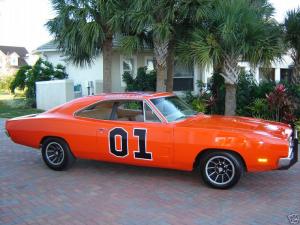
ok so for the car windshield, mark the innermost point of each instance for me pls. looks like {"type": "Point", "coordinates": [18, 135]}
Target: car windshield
{"type": "Point", "coordinates": [173, 108]}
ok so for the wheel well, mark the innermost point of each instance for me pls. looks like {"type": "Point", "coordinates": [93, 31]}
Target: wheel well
{"type": "Point", "coordinates": [47, 137]}
{"type": "Point", "coordinates": [205, 151]}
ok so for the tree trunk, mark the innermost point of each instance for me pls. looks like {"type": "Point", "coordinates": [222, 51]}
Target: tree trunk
{"type": "Point", "coordinates": [230, 99]}
{"type": "Point", "coordinates": [160, 78]}
{"type": "Point", "coordinates": [296, 73]}
{"type": "Point", "coordinates": [107, 63]}
{"type": "Point", "coordinates": [170, 68]}
{"type": "Point", "coordinates": [161, 54]}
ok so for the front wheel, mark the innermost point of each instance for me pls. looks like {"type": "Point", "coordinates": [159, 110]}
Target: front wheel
{"type": "Point", "coordinates": [221, 170]}
{"type": "Point", "coordinates": [56, 154]}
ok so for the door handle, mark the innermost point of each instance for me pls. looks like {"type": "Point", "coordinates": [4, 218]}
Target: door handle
{"type": "Point", "coordinates": [102, 130]}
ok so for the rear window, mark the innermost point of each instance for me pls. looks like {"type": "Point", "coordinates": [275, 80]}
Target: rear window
{"type": "Point", "coordinates": [100, 111]}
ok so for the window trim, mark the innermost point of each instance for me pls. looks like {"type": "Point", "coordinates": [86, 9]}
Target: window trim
{"type": "Point", "coordinates": [122, 57]}
{"type": "Point", "coordinates": [146, 62]}
{"type": "Point", "coordinates": [95, 103]}
{"type": "Point", "coordinates": [146, 103]}
{"type": "Point", "coordinates": [75, 114]}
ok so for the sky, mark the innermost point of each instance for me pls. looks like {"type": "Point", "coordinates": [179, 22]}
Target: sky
{"type": "Point", "coordinates": [22, 21]}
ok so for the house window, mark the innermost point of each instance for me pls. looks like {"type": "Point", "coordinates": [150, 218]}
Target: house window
{"type": "Point", "coordinates": [128, 65]}
{"type": "Point", "coordinates": [266, 74]}
{"type": "Point", "coordinates": [149, 63]}
{"type": "Point", "coordinates": [13, 61]}
{"type": "Point", "coordinates": [183, 77]}
{"type": "Point", "coordinates": [286, 75]}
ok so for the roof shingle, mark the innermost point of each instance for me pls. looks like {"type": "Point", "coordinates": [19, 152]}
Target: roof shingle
{"type": "Point", "coordinates": [21, 51]}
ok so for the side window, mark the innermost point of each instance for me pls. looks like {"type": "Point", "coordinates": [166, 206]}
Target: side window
{"type": "Point", "coordinates": [150, 116]}
{"type": "Point", "coordinates": [101, 111]}
{"type": "Point", "coordinates": [129, 111]}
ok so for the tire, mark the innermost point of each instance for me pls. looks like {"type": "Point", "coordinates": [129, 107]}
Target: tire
{"type": "Point", "coordinates": [221, 170]}
{"type": "Point", "coordinates": [57, 154]}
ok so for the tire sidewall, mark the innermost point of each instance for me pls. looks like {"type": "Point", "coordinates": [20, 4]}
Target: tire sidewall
{"type": "Point", "coordinates": [67, 154]}
{"type": "Point", "coordinates": [238, 166]}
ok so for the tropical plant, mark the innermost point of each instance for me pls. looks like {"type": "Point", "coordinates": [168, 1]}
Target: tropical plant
{"type": "Point", "coordinates": [259, 108]}
{"type": "Point", "coordinates": [26, 76]}
{"type": "Point", "coordinates": [292, 39]}
{"type": "Point", "coordinates": [160, 24]}
{"type": "Point", "coordinates": [245, 93]}
{"type": "Point", "coordinates": [281, 105]}
{"type": "Point", "coordinates": [83, 28]}
{"type": "Point", "coordinates": [142, 82]}
{"type": "Point", "coordinates": [234, 30]}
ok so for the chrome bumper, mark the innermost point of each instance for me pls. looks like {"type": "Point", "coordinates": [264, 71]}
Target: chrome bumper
{"type": "Point", "coordinates": [286, 163]}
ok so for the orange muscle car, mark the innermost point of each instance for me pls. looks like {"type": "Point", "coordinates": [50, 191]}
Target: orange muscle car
{"type": "Point", "coordinates": [156, 130]}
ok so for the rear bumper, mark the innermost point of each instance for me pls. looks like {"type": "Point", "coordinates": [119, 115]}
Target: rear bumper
{"type": "Point", "coordinates": [286, 163]}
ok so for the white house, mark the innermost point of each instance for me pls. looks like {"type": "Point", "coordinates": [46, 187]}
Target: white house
{"type": "Point", "coordinates": [89, 79]}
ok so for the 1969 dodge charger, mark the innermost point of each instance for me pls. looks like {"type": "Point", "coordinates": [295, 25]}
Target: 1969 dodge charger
{"type": "Point", "coordinates": [156, 130]}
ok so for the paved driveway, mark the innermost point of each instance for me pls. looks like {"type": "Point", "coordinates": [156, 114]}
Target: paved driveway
{"type": "Point", "coordinates": [103, 193]}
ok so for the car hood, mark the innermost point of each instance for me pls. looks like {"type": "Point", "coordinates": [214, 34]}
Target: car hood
{"type": "Point", "coordinates": [242, 124]}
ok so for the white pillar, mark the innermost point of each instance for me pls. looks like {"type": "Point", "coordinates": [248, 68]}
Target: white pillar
{"type": "Point", "coordinates": [197, 77]}
{"type": "Point", "coordinates": [277, 74]}
{"type": "Point", "coordinates": [256, 74]}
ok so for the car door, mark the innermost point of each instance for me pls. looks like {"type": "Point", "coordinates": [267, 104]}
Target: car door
{"type": "Point", "coordinates": [135, 135]}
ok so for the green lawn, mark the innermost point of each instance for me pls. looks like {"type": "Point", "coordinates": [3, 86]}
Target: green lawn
{"type": "Point", "coordinates": [12, 107]}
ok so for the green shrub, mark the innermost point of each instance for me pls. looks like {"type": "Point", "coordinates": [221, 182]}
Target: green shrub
{"type": "Point", "coordinates": [245, 93]}
{"type": "Point", "coordinates": [142, 82]}
{"type": "Point", "coordinates": [5, 83]}
{"type": "Point", "coordinates": [259, 108]}
{"type": "Point", "coordinates": [261, 100]}
{"type": "Point", "coordinates": [26, 77]}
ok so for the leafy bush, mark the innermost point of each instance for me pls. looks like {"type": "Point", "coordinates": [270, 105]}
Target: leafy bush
{"type": "Point", "coordinates": [5, 83]}
{"type": "Point", "coordinates": [245, 93]}
{"type": "Point", "coordinates": [281, 105]}
{"type": "Point", "coordinates": [264, 100]}
{"type": "Point", "coordinates": [259, 108]}
{"type": "Point", "coordinates": [26, 77]}
{"type": "Point", "coordinates": [142, 82]}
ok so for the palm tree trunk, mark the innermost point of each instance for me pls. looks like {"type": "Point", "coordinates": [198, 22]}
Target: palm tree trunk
{"type": "Point", "coordinates": [230, 99]}
{"type": "Point", "coordinates": [296, 73]}
{"type": "Point", "coordinates": [107, 64]}
{"type": "Point", "coordinates": [170, 69]}
{"type": "Point", "coordinates": [160, 54]}
{"type": "Point", "coordinates": [160, 78]}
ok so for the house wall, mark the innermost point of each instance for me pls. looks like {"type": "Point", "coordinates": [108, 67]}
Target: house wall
{"type": "Point", "coordinates": [94, 73]}
{"type": "Point", "coordinates": [140, 60]}
{"type": "Point", "coordinates": [80, 74]}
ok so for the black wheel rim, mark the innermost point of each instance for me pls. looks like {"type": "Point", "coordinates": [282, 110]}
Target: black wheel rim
{"type": "Point", "coordinates": [55, 153]}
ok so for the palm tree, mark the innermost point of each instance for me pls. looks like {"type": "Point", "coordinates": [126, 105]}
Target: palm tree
{"type": "Point", "coordinates": [292, 39]}
{"type": "Point", "coordinates": [160, 24]}
{"type": "Point", "coordinates": [234, 30]}
{"type": "Point", "coordinates": [83, 28]}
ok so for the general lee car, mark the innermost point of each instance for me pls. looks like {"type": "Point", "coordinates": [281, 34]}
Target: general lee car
{"type": "Point", "coordinates": [156, 130]}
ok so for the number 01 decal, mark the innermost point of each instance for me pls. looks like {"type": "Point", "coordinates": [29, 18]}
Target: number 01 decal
{"type": "Point", "coordinates": [140, 133]}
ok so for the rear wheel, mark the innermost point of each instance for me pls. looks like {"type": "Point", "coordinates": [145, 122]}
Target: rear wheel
{"type": "Point", "coordinates": [56, 154]}
{"type": "Point", "coordinates": [221, 170]}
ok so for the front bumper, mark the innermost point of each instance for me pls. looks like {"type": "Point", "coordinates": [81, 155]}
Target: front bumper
{"type": "Point", "coordinates": [286, 163]}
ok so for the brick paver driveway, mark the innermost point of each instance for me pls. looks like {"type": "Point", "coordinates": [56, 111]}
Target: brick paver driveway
{"type": "Point", "coordinates": [102, 193]}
